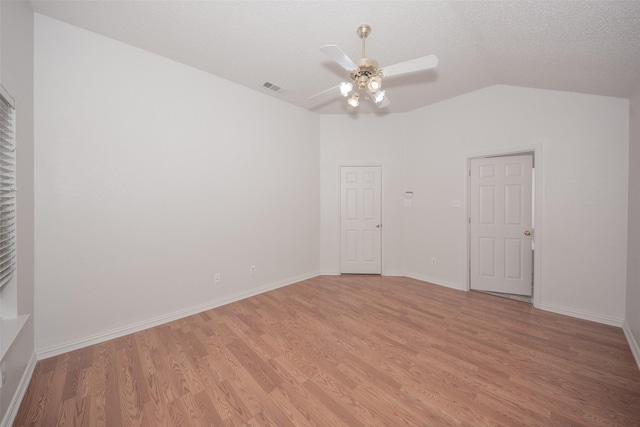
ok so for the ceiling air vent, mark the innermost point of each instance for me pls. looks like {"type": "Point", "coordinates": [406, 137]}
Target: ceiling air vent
{"type": "Point", "coordinates": [271, 86]}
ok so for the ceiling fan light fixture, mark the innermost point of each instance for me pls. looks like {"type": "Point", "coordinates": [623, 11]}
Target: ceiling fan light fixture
{"type": "Point", "coordinates": [374, 84]}
{"type": "Point", "coordinates": [345, 88]}
{"type": "Point", "coordinates": [366, 76]}
{"type": "Point", "coordinates": [354, 101]}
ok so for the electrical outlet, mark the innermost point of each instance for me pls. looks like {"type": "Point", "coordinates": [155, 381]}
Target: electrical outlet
{"type": "Point", "coordinates": [434, 261]}
{"type": "Point", "coordinates": [216, 278]}
{"type": "Point", "coordinates": [252, 270]}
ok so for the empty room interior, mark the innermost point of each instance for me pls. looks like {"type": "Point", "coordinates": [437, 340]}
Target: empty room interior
{"type": "Point", "coordinates": [319, 213]}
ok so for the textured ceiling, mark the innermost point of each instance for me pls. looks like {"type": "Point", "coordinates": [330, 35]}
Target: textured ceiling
{"type": "Point", "coordinates": [589, 47]}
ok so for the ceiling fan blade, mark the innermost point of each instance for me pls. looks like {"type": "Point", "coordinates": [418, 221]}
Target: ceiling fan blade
{"type": "Point", "coordinates": [418, 64]}
{"type": "Point", "coordinates": [384, 102]}
{"type": "Point", "coordinates": [341, 58]}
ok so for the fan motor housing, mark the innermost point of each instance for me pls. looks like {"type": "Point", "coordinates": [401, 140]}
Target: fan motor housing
{"type": "Point", "coordinates": [367, 68]}
{"type": "Point", "coordinates": [367, 65]}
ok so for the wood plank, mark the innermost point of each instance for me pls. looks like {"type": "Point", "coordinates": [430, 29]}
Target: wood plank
{"type": "Point", "coordinates": [348, 350]}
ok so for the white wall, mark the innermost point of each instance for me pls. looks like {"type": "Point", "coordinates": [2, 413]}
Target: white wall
{"type": "Point", "coordinates": [583, 166]}
{"type": "Point", "coordinates": [360, 140]}
{"type": "Point", "coordinates": [16, 75]}
{"type": "Point", "coordinates": [632, 313]}
{"type": "Point", "coordinates": [153, 176]}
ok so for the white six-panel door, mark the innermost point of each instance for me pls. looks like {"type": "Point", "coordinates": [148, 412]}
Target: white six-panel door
{"type": "Point", "coordinates": [500, 209]}
{"type": "Point", "coordinates": [360, 219]}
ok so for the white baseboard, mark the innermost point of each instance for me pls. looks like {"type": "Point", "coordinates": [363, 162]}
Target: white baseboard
{"type": "Point", "coordinates": [330, 273]}
{"type": "Point", "coordinates": [337, 273]}
{"type": "Point", "coordinates": [633, 344]}
{"type": "Point", "coordinates": [136, 327]}
{"type": "Point", "coordinates": [393, 273]}
{"type": "Point", "coordinates": [612, 321]}
{"type": "Point", "coordinates": [12, 410]}
{"type": "Point", "coordinates": [436, 281]}
{"type": "Point", "coordinates": [156, 321]}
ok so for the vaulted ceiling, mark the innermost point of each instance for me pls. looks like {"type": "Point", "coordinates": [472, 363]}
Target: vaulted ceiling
{"type": "Point", "coordinates": [589, 47]}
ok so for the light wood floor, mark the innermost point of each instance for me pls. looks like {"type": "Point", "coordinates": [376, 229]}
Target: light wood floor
{"type": "Point", "coordinates": [348, 351]}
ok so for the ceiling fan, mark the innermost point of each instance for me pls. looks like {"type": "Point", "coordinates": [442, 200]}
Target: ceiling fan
{"type": "Point", "coordinates": [366, 76]}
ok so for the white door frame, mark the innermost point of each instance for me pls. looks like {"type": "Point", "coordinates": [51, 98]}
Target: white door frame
{"type": "Point", "coordinates": [340, 165]}
{"type": "Point", "coordinates": [536, 149]}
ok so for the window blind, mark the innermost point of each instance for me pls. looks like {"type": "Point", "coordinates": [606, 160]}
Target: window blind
{"type": "Point", "coordinates": [7, 188]}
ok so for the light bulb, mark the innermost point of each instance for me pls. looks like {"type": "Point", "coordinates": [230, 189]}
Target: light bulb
{"type": "Point", "coordinates": [378, 96]}
{"type": "Point", "coordinates": [354, 101]}
{"type": "Point", "coordinates": [345, 88]}
{"type": "Point", "coordinates": [374, 84]}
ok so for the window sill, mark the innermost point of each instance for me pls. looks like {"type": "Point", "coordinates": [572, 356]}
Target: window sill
{"type": "Point", "coordinates": [9, 331]}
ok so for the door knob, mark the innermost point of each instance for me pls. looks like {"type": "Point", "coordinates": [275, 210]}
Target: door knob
{"type": "Point", "coordinates": [527, 233]}
{"type": "Point", "coordinates": [378, 225]}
